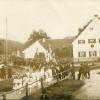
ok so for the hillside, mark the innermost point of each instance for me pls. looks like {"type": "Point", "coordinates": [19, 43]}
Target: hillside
{"type": "Point", "coordinates": [12, 46]}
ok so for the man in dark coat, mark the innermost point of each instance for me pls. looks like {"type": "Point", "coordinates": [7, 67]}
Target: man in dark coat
{"type": "Point", "coordinates": [9, 72]}
{"type": "Point", "coordinates": [3, 73]}
{"type": "Point", "coordinates": [73, 70]}
{"type": "Point", "coordinates": [87, 70]}
{"type": "Point", "coordinates": [81, 70]}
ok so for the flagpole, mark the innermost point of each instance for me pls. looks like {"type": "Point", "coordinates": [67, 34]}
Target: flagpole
{"type": "Point", "coordinates": [6, 53]}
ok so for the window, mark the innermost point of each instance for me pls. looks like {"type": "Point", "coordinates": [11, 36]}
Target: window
{"type": "Point", "coordinates": [92, 53]}
{"type": "Point", "coordinates": [40, 55]}
{"type": "Point", "coordinates": [82, 54]}
{"type": "Point", "coordinates": [81, 41]}
{"type": "Point", "coordinates": [99, 53]}
{"type": "Point", "coordinates": [92, 45]}
{"type": "Point", "coordinates": [91, 28]}
{"type": "Point", "coordinates": [91, 40]}
{"type": "Point", "coordinates": [99, 40]}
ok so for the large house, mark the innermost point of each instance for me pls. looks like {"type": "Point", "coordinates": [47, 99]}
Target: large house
{"type": "Point", "coordinates": [86, 47]}
{"type": "Point", "coordinates": [47, 47]}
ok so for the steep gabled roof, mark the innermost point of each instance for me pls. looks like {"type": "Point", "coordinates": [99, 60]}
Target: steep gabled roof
{"type": "Point", "coordinates": [87, 25]}
{"type": "Point", "coordinates": [27, 44]}
{"type": "Point", "coordinates": [84, 28]}
{"type": "Point", "coordinates": [52, 43]}
{"type": "Point", "coordinates": [56, 43]}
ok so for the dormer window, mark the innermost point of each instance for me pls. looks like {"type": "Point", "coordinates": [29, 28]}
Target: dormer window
{"type": "Point", "coordinates": [91, 28]}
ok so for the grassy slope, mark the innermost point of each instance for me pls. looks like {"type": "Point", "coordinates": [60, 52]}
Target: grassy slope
{"type": "Point", "coordinates": [6, 85]}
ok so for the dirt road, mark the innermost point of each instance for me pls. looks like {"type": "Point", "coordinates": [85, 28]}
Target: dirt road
{"type": "Point", "coordinates": [91, 89]}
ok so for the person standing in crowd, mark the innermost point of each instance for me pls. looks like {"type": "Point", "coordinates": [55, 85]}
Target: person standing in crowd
{"type": "Point", "coordinates": [87, 70]}
{"type": "Point", "coordinates": [27, 73]}
{"type": "Point", "coordinates": [53, 72]}
{"type": "Point", "coordinates": [31, 64]}
{"type": "Point", "coordinates": [61, 70]}
{"type": "Point", "coordinates": [9, 72]}
{"type": "Point", "coordinates": [81, 70]}
{"type": "Point", "coordinates": [72, 70]}
{"type": "Point", "coordinates": [3, 73]}
{"type": "Point", "coordinates": [44, 95]}
{"type": "Point", "coordinates": [58, 71]}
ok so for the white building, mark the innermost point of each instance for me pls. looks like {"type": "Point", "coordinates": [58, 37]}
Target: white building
{"type": "Point", "coordinates": [34, 49]}
{"type": "Point", "coordinates": [86, 46]}
{"type": "Point", "coordinates": [46, 46]}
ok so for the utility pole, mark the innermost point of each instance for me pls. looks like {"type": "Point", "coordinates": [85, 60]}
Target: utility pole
{"type": "Point", "coordinates": [6, 43]}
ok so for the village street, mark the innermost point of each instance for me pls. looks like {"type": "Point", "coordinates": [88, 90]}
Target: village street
{"type": "Point", "coordinates": [91, 89]}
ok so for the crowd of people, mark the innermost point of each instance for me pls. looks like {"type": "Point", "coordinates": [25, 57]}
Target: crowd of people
{"type": "Point", "coordinates": [5, 72]}
{"type": "Point", "coordinates": [47, 71]}
{"type": "Point", "coordinates": [84, 71]}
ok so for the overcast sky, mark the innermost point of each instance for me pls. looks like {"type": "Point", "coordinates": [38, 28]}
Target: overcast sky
{"type": "Point", "coordinates": [59, 18]}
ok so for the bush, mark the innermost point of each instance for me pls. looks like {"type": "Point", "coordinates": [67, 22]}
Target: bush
{"type": "Point", "coordinates": [6, 85]}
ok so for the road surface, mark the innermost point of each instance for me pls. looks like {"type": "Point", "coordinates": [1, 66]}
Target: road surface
{"type": "Point", "coordinates": [91, 89]}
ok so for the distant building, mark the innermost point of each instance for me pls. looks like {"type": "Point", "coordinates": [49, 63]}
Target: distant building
{"type": "Point", "coordinates": [13, 48]}
{"type": "Point", "coordinates": [86, 47]}
{"type": "Point", "coordinates": [47, 47]}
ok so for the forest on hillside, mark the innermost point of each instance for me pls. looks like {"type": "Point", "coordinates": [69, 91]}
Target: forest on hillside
{"type": "Point", "coordinates": [12, 46]}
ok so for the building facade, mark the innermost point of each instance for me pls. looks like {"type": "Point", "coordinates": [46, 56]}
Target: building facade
{"type": "Point", "coordinates": [86, 47]}
{"type": "Point", "coordinates": [48, 47]}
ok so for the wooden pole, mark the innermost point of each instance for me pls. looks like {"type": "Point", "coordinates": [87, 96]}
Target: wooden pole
{"type": "Point", "coordinates": [6, 44]}
{"type": "Point", "coordinates": [4, 96]}
{"type": "Point", "coordinates": [42, 86]}
{"type": "Point", "coordinates": [26, 89]}
{"type": "Point", "coordinates": [57, 78]}
{"type": "Point", "coordinates": [6, 47]}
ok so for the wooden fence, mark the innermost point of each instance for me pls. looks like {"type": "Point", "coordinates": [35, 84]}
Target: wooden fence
{"type": "Point", "coordinates": [3, 96]}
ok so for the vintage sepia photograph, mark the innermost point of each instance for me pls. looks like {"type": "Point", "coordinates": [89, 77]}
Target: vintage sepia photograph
{"type": "Point", "coordinates": [49, 49]}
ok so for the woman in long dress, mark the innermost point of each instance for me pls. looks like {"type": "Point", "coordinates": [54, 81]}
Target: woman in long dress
{"type": "Point", "coordinates": [17, 84]}
{"type": "Point", "coordinates": [48, 74]}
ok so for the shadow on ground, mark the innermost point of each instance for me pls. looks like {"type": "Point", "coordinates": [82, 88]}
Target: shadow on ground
{"type": "Point", "coordinates": [61, 91]}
